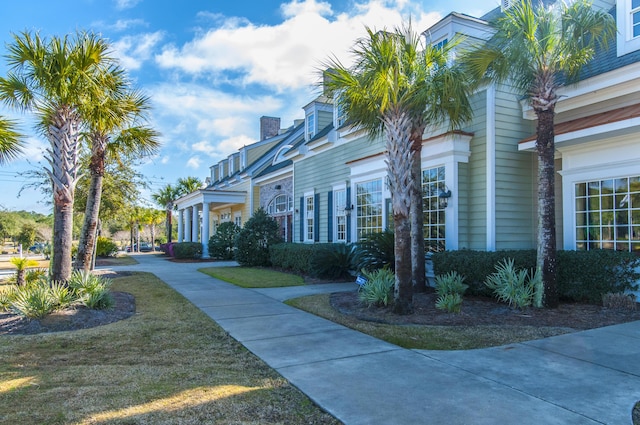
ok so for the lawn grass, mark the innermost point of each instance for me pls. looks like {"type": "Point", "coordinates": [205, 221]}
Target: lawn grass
{"type": "Point", "coordinates": [168, 364]}
{"type": "Point", "coordinates": [424, 337]}
{"type": "Point", "coordinates": [252, 277]}
{"type": "Point", "coordinates": [119, 260]}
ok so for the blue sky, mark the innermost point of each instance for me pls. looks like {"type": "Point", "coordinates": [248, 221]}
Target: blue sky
{"type": "Point", "coordinates": [210, 67]}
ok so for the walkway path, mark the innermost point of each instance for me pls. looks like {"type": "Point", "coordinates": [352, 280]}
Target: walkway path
{"type": "Point", "coordinates": [590, 377]}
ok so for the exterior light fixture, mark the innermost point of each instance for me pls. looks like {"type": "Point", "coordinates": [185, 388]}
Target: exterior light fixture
{"type": "Point", "coordinates": [348, 209]}
{"type": "Point", "coordinates": [443, 197]}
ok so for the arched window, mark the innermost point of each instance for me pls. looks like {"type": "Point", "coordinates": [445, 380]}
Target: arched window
{"type": "Point", "coordinates": [280, 204]}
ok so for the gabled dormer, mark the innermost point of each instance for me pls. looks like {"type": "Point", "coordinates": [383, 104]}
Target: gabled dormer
{"type": "Point", "coordinates": [456, 24]}
{"type": "Point", "coordinates": [317, 115]}
{"type": "Point", "coordinates": [628, 22]}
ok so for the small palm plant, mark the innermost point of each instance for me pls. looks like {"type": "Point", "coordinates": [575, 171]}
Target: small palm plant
{"type": "Point", "coordinates": [21, 267]}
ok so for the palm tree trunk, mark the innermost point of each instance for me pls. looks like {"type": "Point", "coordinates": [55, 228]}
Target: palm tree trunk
{"type": "Point", "coordinates": [546, 255]}
{"type": "Point", "coordinates": [418, 272]}
{"type": "Point", "coordinates": [87, 243]}
{"type": "Point", "coordinates": [169, 225]}
{"type": "Point", "coordinates": [399, 165]}
{"type": "Point", "coordinates": [63, 160]}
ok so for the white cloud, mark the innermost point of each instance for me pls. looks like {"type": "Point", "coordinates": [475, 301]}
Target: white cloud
{"type": "Point", "coordinates": [287, 55]}
{"type": "Point", "coordinates": [134, 50]}
{"type": "Point", "coordinates": [34, 149]}
{"type": "Point", "coordinates": [126, 4]}
{"type": "Point", "coordinates": [194, 162]}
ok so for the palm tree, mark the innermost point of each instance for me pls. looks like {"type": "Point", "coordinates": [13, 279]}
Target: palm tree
{"type": "Point", "coordinates": [165, 197]}
{"type": "Point", "coordinates": [112, 131]}
{"type": "Point", "coordinates": [57, 78]}
{"type": "Point", "coordinates": [398, 87]}
{"type": "Point", "coordinates": [152, 218]}
{"type": "Point", "coordinates": [10, 140]}
{"type": "Point", "coordinates": [187, 185]}
{"type": "Point", "coordinates": [22, 263]}
{"type": "Point", "coordinates": [536, 49]}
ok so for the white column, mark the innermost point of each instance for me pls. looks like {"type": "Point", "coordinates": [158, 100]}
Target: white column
{"type": "Point", "coordinates": [180, 225]}
{"type": "Point", "coordinates": [187, 226]}
{"type": "Point", "coordinates": [194, 224]}
{"type": "Point", "coordinates": [205, 230]}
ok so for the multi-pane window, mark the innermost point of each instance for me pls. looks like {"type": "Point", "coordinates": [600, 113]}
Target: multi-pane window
{"type": "Point", "coordinates": [309, 217]}
{"type": "Point", "coordinates": [339, 203]}
{"type": "Point", "coordinates": [441, 44]}
{"type": "Point", "coordinates": [238, 219]}
{"type": "Point", "coordinates": [635, 18]}
{"type": "Point", "coordinates": [311, 125]}
{"type": "Point", "coordinates": [280, 204]}
{"type": "Point", "coordinates": [608, 214]}
{"type": "Point", "coordinates": [369, 207]}
{"type": "Point", "coordinates": [434, 214]}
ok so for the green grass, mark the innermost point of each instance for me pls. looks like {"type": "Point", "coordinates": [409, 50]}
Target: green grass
{"type": "Point", "coordinates": [252, 277]}
{"type": "Point", "coordinates": [426, 337]}
{"type": "Point", "coordinates": [119, 260]}
{"type": "Point", "coordinates": [168, 364]}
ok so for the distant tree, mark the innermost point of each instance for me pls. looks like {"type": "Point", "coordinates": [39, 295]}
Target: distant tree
{"type": "Point", "coordinates": [165, 198]}
{"type": "Point", "coordinates": [27, 235]}
{"type": "Point", "coordinates": [188, 185]}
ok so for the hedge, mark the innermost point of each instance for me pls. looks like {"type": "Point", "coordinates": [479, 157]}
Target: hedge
{"type": "Point", "coordinates": [582, 275]}
{"type": "Point", "coordinates": [187, 250]}
{"type": "Point", "coordinates": [296, 257]}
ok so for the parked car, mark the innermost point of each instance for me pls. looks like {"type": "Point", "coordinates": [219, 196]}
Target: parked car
{"type": "Point", "coordinates": [144, 247]}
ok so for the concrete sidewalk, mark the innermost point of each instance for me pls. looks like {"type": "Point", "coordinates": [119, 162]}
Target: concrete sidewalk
{"type": "Point", "coordinates": [590, 377]}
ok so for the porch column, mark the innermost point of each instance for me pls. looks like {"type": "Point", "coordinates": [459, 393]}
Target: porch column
{"type": "Point", "coordinates": [180, 225]}
{"type": "Point", "coordinates": [194, 224]}
{"type": "Point", "coordinates": [205, 230]}
{"type": "Point", "coordinates": [187, 226]}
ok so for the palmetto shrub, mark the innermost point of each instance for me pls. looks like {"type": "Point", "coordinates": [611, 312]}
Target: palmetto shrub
{"type": "Point", "coordinates": [106, 247]}
{"type": "Point", "coordinates": [450, 288]}
{"type": "Point", "coordinates": [61, 295]}
{"type": "Point", "coordinates": [7, 295]}
{"type": "Point", "coordinates": [376, 251]}
{"type": "Point", "coordinates": [334, 261]}
{"type": "Point", "coordinates": [91, 290]}
{"type": "Point", "coordinates": [516, 287]}
{"type": "Point", "coordinates": [378, 290]}
{"type": "Point", "coordinates": [33, 301]}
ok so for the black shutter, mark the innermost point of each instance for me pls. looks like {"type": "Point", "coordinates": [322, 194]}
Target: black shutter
{"type": "Point", "coordinates": [316, 217]}
{"type": "Point", "coordinates": [353, 212]}
{"type": "Point", "coordinates": [330, 216]}
{"type": "Point", "coordinates": [301, 217]}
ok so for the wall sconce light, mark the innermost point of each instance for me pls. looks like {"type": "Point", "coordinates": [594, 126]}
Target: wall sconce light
{"type": "Point", "coordinates": [443, 197]}
{"type": "Point", "coordinates": [348, 209]}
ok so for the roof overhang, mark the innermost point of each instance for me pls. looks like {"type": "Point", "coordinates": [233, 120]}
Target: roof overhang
{"type": "Point", "coordinates": [618, 122]}
{"type": "Point", "coordinates": [211, 196]}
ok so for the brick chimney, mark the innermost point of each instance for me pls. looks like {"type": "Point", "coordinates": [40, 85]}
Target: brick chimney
{"type": "Point", "coordinates": [269, 127]}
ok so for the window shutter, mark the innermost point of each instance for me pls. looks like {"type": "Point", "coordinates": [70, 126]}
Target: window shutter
{"type": "Point", "coordinates": [316, 217]}
{"type": "Point", "coordinates": [301, 218]}
{"type": "Point", "coordinates": [348, 202]}
{"type": "Point", "coordinates": [330, 216]}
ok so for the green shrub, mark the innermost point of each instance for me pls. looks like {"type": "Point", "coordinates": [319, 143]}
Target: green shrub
{"type": "Point", "coordinates": [475, 266]}
{"type": "Point", "coordinates": [33, 275]}
{"type": "Point", "coordinates": [221, 244]}
{"type": "Point", "coordinates": [376, 251]}
{"type": "Point", "coordinates": [252, 242]}
{"type": "Point", "coordinates": [333, 261]}
{"type": "Point", "coordinates": [105, 247]}
{"type": "Point", "coordinates": [586, 276]}
{"type": "Point", "coordinates": [33, 301]}
{"type": "Point", "coordinates": [451, 302]}
{"type": "Point", "coordinates": [450, 283]}
{"type": "Point", "coordinates": [61, 295]}
{"type": "Point", "coordinates": [619, 301]}
{"type": "Point", "coordinates": [513, 286]}
{"type": "Point", "coordinates": [187, 250]}
{"type": "Point", "coordinates": [7, 295]}
{"type": "Point", "coordinates": [91, 290]}
{"type": "Point", "coordinates": [378, 290]}
{"type": "Point", "coordinates": [295, 257]}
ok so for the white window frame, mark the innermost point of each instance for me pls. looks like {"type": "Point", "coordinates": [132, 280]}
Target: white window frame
{"type": "Point", "coordinates": [339, 215]}
{"type": "Point", "coordinates": [310, 125]}
{"type": "Point", "coordinates": [383, 216]}
{"type": "Point", "coordinates": [626, 42]}
{"type": "Point", "coordinates": [309, 217]}
{"type": "Point", "coordinates": [237, 219]}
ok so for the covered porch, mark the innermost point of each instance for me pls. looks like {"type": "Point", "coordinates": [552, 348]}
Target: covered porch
{"type": "Point", "coordinates": [195, 220]}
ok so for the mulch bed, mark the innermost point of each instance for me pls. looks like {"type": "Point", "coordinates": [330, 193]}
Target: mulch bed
{"type": "Point", "coordinates": [486, 311]}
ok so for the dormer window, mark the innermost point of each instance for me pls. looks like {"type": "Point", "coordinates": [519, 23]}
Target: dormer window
{"type": "Point", "coordinates": [231, 164]}
{"type": "Point", "coordinates": [338, 112]}
{"type": "Point", "coordinates": [310, 125]}
{"type": "Point", "coordinates": [221, 170]}
{"type": "Point", "coordinates": [243, 159]}
{"type": "Point", "coordinates": [441, 44]}
{"type": "Point", "coordinates": [506, 4]}
{"type": "Point", "coordinates": [628, 21]}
